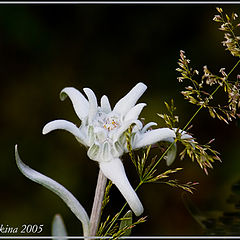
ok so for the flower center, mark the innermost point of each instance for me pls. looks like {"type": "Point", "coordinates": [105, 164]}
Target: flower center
{"type": "Point", "coordinates": [108, 121]}
{"type": "Point", "coordinates": [111, 123]}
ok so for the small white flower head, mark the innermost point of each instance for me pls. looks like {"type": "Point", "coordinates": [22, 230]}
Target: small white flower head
{"type": "Point", "coordinates": [102, 131]}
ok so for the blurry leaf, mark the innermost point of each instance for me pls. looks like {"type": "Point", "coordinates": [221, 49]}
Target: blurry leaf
{"type": "Point", "coordinates": [223, 222]}
{"type": "Point", "coordinates": [236, 188]}
{"type": "Point", "coordinates": [232, 199]}
{"type": "Point", "coordinates": [237, 205]}
{"type": "Point", "coordinates": [126, 221]}
{"type": "Point", "coordinates": [194, 211]}
{"type": "Point", "coordinates": [209, 223]}
{"type": "Point", "coordinates": [58, 227]}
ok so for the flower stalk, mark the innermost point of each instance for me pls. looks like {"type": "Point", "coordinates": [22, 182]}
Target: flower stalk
{"type": "Point", "coordinates": [97, 203]}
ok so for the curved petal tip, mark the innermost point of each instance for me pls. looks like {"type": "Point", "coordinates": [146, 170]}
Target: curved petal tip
{"type": "Point", "coordinates": [79, 102]}
{"type": "Point", "coordinates": [114, 171]}
{"type": "Point", "coordinates": [129, 100]}
{"type": "Point", "coordinates": [56, 188]}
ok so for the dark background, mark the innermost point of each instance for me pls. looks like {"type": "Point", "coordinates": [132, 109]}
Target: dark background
{"type": "Point", "coordinates": [109, 48]}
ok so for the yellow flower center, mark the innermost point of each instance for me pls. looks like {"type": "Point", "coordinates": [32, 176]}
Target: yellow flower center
{"type": "Point", "coordinates": [111, 123]}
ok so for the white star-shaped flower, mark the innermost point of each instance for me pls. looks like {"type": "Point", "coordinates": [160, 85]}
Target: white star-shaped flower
{"type": "Point", "coordinates": [102, 131]}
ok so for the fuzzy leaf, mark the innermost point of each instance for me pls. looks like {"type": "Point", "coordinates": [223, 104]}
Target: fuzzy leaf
{"type": "Point", "coordinates": [58, 227]}
{"type": "Point", "coordinates": [58, 189]}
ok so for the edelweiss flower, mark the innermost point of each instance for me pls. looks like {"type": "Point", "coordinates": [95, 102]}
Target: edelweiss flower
{"type": "Point", "coordinates": [102, 132]}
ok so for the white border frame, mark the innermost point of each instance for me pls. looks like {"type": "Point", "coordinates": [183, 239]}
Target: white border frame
{"type": "Point", "coordinates": [123, 2]}
{"type": "Point", "coordinates": [120, 3]}
{"type": "Point", "coordinates": [133, 237]}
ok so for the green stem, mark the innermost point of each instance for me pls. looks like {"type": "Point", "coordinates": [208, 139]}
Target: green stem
{"type": "Point", "coordinates": [194, 115]}
{"type": "Point", "coordinates": [165, 152]}
{"type": "Point", "coordinates": [109, 228]}
{"type": "Point", "coordinates": [155, 165]}
{"type": "Point", "coordinates": [190, 120]}
{"type": "Point", "coordinates": [210, 96]}
{"type": "Point", "coordinates": [233, 68]}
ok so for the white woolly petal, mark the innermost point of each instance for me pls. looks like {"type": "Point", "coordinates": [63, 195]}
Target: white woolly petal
{"type": "Point", "coordinates": [90, 135]}
{"type": "Point", "coordinates": [105, 105]}
{"type": "Point", "coordinates": [153, 136]}
{"type": "Point", "coordinates": [100, 133]}
{"type": "Point", "coordinates": [106, 152]}
{"type": "Point", "coordinates": [134, 112]}
{"type": "Point", "coordinates": [129, 100]}
{"type": "Point", "coordinates": [80, 103]}
{"type": "Point", "coordinates": [114, 171]}
{"type": "Point", "coordinates": [118, 149]}
{"type": "Point", "coordinates": [58, 227]}
{"type": "Point", "coordinates": [171, 154]}
{"type": "Point", "coordinates": [125, 125]}
{"type": "Point", "coordinates": [65, 125]}
{"type": "Point", "coordinates": [184, 134]}
{"type": "Point", "coordinates": [137, 127]}
{"type": "Point", "coordinates": [92, 103]}
{"type": "Point", "coordinates": [147, 126]}
{"type": "Point", "coordinates": [94, 152]}
{"type": "Point", "coordinates": [58, 189]}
